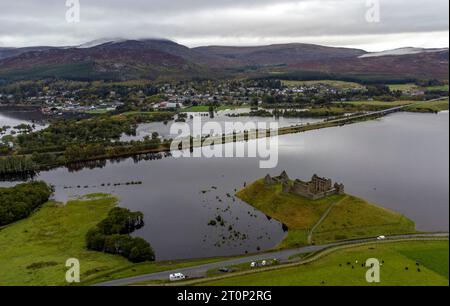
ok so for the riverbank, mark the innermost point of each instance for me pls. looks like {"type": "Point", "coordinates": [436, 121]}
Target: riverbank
{"type": "Point", "coordinates": [35, 249]}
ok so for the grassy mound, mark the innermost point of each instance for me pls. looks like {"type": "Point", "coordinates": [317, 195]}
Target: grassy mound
{"type": "Point", "coordinates": [350, 217]}
{"type": "Point", "coordinates": [354, 217]}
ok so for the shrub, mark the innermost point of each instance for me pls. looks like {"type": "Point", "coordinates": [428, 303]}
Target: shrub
{"type": "Point", "coordinates": [112, 236]}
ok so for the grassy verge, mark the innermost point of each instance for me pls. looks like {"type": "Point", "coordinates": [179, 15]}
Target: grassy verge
{"type": "Point", "coordinates": [239, 268]}
{"type": "Point", "coordinates": [131, 270]}
{"type": "Point", "coordinates": [350, 218]}
{"type": "Point", "coordinates": [409, 263]}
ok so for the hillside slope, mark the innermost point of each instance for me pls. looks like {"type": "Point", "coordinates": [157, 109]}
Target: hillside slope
{"type": "Point", "coordinates": [160, 59]}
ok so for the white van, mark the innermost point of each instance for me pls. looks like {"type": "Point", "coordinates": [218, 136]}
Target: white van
{"type": "Point", "coordinates": [176, 277]}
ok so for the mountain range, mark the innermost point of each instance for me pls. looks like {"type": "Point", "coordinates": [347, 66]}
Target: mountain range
{"type": "Point", "coordinates": [160, 59]}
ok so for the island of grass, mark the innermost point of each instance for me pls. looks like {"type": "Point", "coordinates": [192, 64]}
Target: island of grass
{"type": "Point", "coordinates": [335, 217]}
{"type": "Point", "coordinates": [406, 263]}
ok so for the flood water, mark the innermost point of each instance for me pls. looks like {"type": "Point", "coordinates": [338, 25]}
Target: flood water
{"type": "Point", "coordinates": [14, 118]}
{"type": "Point", "coordinates": [400, 162]}
{"type": "Point", "coordinates": [221, 117]}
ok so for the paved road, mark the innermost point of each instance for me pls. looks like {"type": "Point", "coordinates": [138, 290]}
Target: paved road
{"type": "Point", "coordinates": [282, 256]}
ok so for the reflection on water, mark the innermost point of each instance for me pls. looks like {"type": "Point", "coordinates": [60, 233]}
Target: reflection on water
{"type": "Point", "coordinates": [399, 162]}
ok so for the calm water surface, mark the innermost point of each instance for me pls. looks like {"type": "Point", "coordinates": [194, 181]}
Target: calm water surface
{"type": "Point", "coordinates": [400, 162]}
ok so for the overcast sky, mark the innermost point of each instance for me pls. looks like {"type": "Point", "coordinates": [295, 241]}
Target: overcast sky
{"type": "Point", "coordinates": [417, 23]}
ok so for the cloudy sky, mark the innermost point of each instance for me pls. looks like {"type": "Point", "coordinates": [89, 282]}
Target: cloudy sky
{"type": "Point", "coordinates": [417, 23]}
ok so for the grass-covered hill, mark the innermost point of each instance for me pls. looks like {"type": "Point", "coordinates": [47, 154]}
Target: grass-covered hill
{"type": "Point", "coordinates": [350, 217]}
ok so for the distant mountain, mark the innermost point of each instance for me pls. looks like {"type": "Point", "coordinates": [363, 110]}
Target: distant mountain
{"type": "Point", "coordinates": [121, 59]}
{"type": "Point", "coordinates": [286, 54]}
{"type": "Point", "coordinates": [11, 52]}
{"type": "Point", "coordinates": [402, 51]}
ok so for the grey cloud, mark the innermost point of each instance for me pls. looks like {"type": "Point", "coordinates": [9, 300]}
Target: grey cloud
{"type": "Point", "coordinates": [43, 22]}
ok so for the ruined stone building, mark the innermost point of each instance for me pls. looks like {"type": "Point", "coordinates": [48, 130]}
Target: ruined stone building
{"type": "Point", "coordinates": [315, 189]}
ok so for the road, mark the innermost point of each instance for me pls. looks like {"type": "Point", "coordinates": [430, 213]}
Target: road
{"type": "Point", "coordinates": [287, 130]}
{"type": "Point", "coordinates": [281, 256]}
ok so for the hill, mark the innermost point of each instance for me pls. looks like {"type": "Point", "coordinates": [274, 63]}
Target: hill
{"type": "Point", "coordinates": [350, 217]}
{"type": "Point", "coordinates": [160, 59]}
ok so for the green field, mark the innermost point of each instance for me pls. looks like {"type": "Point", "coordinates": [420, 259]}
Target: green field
{"type": "Point", "coordinates": [403, 87]}
{"type": "Point", "coordinates": [133, 113]}
{"type": "Point", "coordinates": [350, 217]}
{"type": "Point", "coordinates": [430, 107]}
{"type": "Point", "coordinates": [332, 83]}
{"type": "Point", "coordinates": [412, 263]}
{"type": "Point", "coordinates": [34, 250]}
{"type": "Point", "coordinates": [97, 111]}
{"type": "Point", "coordinates": [380, 103]}
{"type": "Point", "coordinates": [437, 88]}
{"type": "Point", "coordinates": [205, 108]}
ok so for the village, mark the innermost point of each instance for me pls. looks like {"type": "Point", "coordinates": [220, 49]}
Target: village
{"type": "Point", "coordinates": [55, 98]}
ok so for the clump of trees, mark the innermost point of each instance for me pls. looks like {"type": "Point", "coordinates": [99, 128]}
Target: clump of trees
{"type": "Point", "coordinates": [20, 201]}
{"type": "Point", "coordinates": [16, 164]}
{"type": "Point", "coordinates": [112, 235]}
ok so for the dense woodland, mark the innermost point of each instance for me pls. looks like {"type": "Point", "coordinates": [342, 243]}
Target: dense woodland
{"type": "Point", "coordinates": [112, 235]}
{"type": "Point", "coordinates": [20, 201]}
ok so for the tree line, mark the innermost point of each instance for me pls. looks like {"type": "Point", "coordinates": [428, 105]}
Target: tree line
{"type": "Point", "coordinates": [20, 201]}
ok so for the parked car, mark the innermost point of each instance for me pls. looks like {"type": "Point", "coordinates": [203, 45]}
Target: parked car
{"type": "Point", "coordinates": [176, 277]}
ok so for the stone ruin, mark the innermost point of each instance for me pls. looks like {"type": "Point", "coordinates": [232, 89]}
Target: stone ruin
{"type": "Point", "coordinates": [317, 188]}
